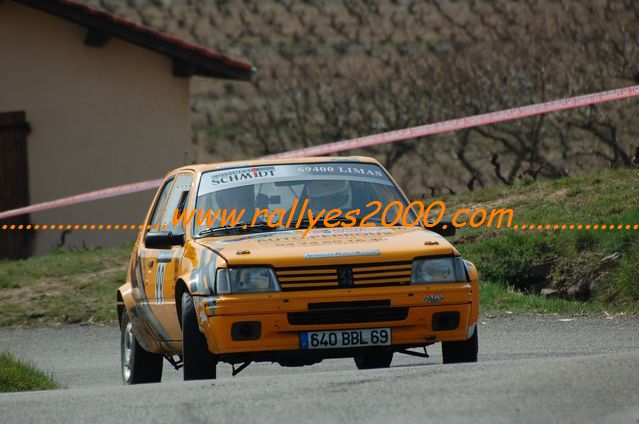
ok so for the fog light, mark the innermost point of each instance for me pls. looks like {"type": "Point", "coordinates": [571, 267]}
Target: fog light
{"type": "Point", "coordinates": [445, 321]}
{"type": "Point", "coordinates": [248, 330]}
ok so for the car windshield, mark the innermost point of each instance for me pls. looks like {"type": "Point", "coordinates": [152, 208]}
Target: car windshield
{"type": "Point", "coordinates": [276, 193]}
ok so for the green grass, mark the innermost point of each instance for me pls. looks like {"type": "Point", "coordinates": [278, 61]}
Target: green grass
{"type": "Point", "coordinates": [497, 299]}
{"type": "Point", "coordinates": [62, 287]}
{"type": "Point", "coordinates": [18, 376]}
{"type": "Point", "coordinates": [521, 258]}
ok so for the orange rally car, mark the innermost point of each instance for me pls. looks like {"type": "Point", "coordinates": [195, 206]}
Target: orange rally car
{"type": "Point", "coordinates": [273, 285]}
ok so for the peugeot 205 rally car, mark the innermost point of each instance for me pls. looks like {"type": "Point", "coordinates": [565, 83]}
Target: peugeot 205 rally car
{"type": "Point", "coordinates": [276, 286]}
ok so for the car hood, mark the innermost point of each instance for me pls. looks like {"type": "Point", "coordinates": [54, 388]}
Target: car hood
{"type": "Point", "coordinates": [326, 246]}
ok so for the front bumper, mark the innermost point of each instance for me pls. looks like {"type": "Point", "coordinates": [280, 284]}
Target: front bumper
{"type": "Point", "coordinates": [278, 332]}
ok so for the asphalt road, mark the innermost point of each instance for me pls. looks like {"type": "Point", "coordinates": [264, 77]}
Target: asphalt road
{"type": "Point", "coordinates": [531, 370]}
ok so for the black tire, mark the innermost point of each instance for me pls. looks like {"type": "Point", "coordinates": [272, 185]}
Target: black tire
{"type": "Point", "coordinates": [141, 366]}
{"type": "Point", "coordinates": [373, 359]}
{"type": "Point", "coordinates": [463, 351]}
{"type": "Point", "coordinates": [199, 362]}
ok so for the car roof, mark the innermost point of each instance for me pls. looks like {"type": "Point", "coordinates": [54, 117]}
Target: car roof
{"type": "Point", "coordinates": [261, 162]}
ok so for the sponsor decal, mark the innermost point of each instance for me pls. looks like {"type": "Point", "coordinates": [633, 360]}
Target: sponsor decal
{"type": "Point", "coordinates": [434, 298]}
{"type": "Point", "coordinates": [336, 169]}
{"type": "Point", "coordinates": [317, 237]}
{"type": "Point", "coordinates": [228, 178]}
{"type": "Point", "coordinates": [337, 242]}
{"type": "Point", "coordinates": [373, 172]}
{"type": "Point", "coordinates": [319, 255]}
{"type": "Point", "coordinates": [243, 174]}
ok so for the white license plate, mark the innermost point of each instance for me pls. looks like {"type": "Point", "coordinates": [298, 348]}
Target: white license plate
{"type": "Point", "coordinates": [345, 338]}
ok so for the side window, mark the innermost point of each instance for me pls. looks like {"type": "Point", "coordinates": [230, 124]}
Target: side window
{"type": "Point", "coordinates": [178, 199]}
{"type": "Point", "coordinates": [158, 210]}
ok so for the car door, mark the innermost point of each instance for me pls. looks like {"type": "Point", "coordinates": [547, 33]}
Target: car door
{"type": "Point", "coordinates": [162, 265]}
{"type": "Point", "coordinates": [147, 258]}
{"type": "Point", "coordinates": [145, 270]}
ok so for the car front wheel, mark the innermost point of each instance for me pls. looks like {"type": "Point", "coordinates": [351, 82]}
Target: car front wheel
{"type": "Point", "coordinates": [462, 351]}
{"type": "Point", "coordinates": [139, 366]}
{"type": "Point", "coordinates": [199, 362]}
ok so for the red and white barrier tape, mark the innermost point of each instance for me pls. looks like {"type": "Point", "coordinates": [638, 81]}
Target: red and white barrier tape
{"type": "Point", "coordinates": [461, 123]}
{"type": "Point", "coordinates": [371, 140]}
{"type": "Point", "coordinates": [84, 197]}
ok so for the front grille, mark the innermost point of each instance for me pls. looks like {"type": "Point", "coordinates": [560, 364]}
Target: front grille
{"type": "Point", "coordinates": [355, 304]}
{"type": "Point", "coordinates": [344, 276]}
{"type": "Point", "coordinates": [347, 316]}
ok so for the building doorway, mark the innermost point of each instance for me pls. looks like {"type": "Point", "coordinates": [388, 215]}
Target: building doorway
{"type": "Point", "coordinates": [14, 184]}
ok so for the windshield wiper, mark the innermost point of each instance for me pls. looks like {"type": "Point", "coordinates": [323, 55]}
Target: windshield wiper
{"type": "Point", "coordinates": [240, 227]}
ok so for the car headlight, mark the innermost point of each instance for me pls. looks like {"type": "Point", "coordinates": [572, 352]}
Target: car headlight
{"type": "Point", "coordinates": [246, 280]}
{"type": "Point", "coordinates": [438, 270]}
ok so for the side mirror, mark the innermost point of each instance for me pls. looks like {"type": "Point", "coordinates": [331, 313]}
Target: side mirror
{"type": "Point", "coordinates": [449, 231]}
{"type": "Point", "coordinates": [163, 239]}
